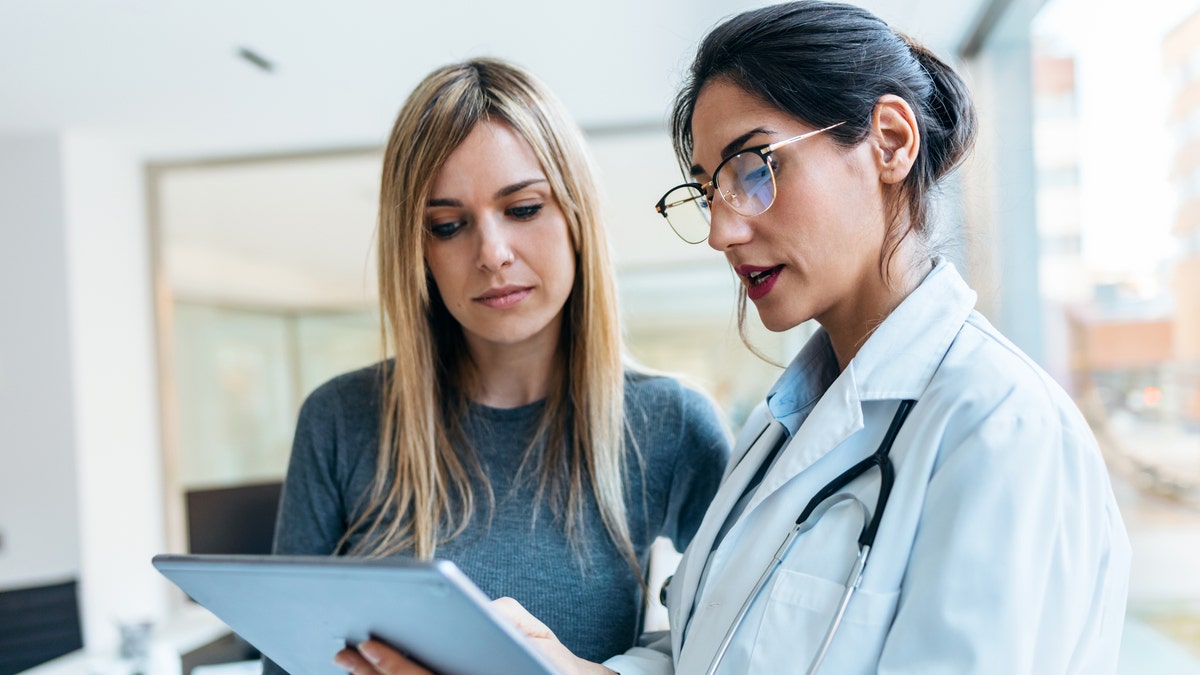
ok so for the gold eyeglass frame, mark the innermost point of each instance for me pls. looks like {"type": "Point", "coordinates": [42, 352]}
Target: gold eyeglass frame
{"type": "Point", "coordinates": [762, 151]}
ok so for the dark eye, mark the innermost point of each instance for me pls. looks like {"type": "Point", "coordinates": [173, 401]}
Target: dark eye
{"type": "Point", "coordinates": [447, 229]}
{"type": "Point", "coordinates": [525, 212]}
{"type": "Point", "coordinates": [772, 163]}
{"type": "Point", "coordinates": [756, 177]}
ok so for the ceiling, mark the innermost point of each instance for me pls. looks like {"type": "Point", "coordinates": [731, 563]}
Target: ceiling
{"type": "Point", "coordinates": [267, 181]}
{"type": "Point", "coordinates": [164, 76]}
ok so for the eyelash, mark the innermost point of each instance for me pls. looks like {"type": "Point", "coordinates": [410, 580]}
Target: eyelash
{"type": "Point", "coordinates": [446, 230]}
{"type": "Point", "coordinates": [525, 211]}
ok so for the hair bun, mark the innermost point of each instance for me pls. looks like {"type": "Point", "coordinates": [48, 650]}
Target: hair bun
{"type": "Point", "coordinates": [950, 106]}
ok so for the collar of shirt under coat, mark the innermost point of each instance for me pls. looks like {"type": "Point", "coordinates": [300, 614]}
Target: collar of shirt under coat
{"type": "Point", "coordinates": [897, 361]}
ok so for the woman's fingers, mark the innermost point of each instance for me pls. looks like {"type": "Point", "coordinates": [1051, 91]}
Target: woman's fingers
{"type": "Point", "coordinates": [375, 658]}
{"type": "Point", "coordinates": [545, 640]}
{"type": "Point", "coordinates": [353, 662]}
{"type": "Point", "coordinates": [526, 622]}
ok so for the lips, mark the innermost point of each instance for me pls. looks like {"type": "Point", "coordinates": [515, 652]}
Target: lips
{"type": "Point", "coordinates": [759, 280]}
{"type": "Point", "coordinates": [503, 296]}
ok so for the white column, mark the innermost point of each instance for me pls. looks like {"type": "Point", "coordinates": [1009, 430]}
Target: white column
{"type": "Point", "coordinates": [115, 401]}
{"type": "Point", "coordinates": [39, 515]}
{"type": "Point", "coordinates": [1002, 241]}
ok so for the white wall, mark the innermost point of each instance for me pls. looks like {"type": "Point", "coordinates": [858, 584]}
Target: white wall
{"type": "Point", "coordinates": [115, 392]}
{"type": "Point", "coordinates": [38, 507]}
{"type": "Point", "coordinates": [80, 466]}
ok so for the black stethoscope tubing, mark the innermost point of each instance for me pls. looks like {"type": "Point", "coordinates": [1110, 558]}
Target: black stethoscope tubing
{"type": "Point", "coordinates": [879, 458]}
{"type": "Point", "coordinates": [866, 539]}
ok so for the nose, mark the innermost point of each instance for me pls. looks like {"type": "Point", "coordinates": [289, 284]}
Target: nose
{"type": "Point", "coordinates": [495, 250]}
{"type": "Point", "coordinates": [726, 228]}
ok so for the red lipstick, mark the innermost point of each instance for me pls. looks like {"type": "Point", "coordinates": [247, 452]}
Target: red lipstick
{"type": "Point", "coordinates": [759, 280]}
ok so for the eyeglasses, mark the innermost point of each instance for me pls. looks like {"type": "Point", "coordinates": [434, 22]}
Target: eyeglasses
{"type": "Point", "coordinates": [745, 179]}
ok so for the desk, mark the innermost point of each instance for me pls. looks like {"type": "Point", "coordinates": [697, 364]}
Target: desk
{"type": "Point", "coordinates": [188, 629]}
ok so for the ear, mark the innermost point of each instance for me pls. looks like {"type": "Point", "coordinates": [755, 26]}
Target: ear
{"type": "Point", "coordinates": [896, 137]}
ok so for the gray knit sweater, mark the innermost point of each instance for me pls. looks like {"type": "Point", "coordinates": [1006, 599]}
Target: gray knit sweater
{"type": "Point", "coordinates": [587, 594]}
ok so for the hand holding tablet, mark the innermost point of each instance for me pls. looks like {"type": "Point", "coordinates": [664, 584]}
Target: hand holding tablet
{"type": "Point", "coordinates": [374, 658]}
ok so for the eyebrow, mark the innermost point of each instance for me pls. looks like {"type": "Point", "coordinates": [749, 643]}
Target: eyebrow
{"type": "Point", "coordinates": [734, 146]}
{"type": "Point", "coordinates": [500, 194]}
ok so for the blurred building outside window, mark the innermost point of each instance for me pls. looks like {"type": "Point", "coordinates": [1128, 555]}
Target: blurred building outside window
{"type": "Point", "coordinates": [1118, 165]}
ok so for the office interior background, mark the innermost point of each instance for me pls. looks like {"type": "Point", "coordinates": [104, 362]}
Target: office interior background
{"type": "Point", "coordinates": [188, 196]}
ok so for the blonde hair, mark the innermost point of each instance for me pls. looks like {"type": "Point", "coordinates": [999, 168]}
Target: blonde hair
{"type": "Point", "coordinates": [582, 432]}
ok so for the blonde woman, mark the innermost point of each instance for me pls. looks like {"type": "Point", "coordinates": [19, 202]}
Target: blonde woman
{"type": "Point", "coordinates": [508, 434]}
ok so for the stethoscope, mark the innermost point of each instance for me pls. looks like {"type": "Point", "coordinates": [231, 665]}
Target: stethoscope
{"type": "Point", "coordinates": [821, 502]}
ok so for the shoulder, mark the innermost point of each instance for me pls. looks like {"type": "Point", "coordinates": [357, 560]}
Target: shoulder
{"type": "Point", "coordinates": [354, 392]}
{"type": "Point", "coordinates": [983, 366]}
{"type": "Point", "coordinates": [338, 426]}
{"type": "Point", "coordinates": [1005, 442]}
{"type": "Point", "coordinates": [665, 397]}
{"type": "Point", "coordinates": [986, 386]}
{"type": "Point", "coordinates": [666, 416]}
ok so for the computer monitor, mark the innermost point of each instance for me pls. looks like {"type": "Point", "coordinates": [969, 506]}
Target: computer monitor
{"type": "Point", "coordinates": [237, 519]}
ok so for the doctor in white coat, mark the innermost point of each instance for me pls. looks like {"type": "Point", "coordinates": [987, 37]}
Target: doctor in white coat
{"type": "Point", "coordinates": [814, 136]}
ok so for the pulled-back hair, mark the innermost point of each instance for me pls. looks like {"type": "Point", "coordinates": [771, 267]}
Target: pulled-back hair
{"type": "Point", "coordinates": [827, 62]}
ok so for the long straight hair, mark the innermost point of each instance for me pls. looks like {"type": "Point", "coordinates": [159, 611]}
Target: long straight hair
{"type": "Point", "coordinates": [421, 495]}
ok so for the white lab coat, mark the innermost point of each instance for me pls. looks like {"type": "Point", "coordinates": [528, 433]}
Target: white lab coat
{"type": "Point", "coordinates": [1001, 549]}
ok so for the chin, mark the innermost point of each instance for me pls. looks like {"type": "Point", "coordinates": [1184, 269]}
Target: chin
{"type": "Point", "coordinates": [775, 322]}
{"type": "Point", "coordinates": [778, 315]}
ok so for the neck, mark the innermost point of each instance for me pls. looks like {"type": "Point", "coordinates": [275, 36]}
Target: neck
{"type": "Point", "coordinates": [879, 295]}
{"type": "Point", "coordinates": [509, 376]}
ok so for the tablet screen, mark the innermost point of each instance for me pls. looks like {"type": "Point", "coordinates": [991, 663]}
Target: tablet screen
{"type": "Point", "coordinates": [300, 611]}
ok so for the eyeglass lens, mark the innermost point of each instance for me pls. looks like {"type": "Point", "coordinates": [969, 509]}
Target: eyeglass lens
{"type": "Point", "coordinates": [686, 208]}
{"type": "Point", "coordinates": [745, 182]}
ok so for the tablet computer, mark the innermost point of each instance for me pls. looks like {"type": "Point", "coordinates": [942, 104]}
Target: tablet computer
{"type": "Point", "coordinates": [300, 611]}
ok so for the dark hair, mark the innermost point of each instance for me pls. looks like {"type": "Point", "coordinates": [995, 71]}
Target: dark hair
{"type": "Point", "coordinates": [827, 62]}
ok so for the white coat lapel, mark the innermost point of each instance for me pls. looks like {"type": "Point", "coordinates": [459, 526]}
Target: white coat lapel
{"type": "Point", "coordinates": [836, 416]}
{"type": "Point", "coordinates": [758, 437]}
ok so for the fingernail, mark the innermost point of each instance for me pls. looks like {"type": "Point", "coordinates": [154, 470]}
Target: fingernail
{"type": "Point", "coordinates": [342, 661]}
{"type": "Point", "coordinates": [371, 651]}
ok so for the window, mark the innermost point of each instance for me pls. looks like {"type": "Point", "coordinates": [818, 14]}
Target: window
{"type": "Point", "coordinates": [1121, 285]}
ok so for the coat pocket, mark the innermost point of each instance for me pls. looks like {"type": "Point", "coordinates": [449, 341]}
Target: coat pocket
{"type": "Point", "coordinates": [799, 611]}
